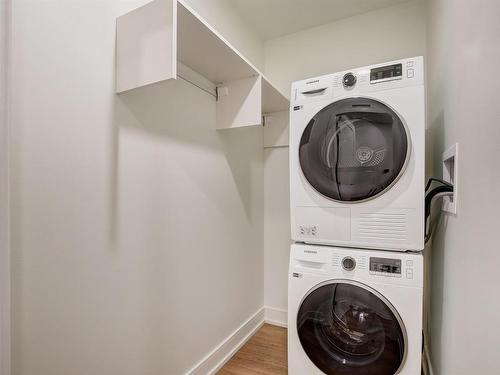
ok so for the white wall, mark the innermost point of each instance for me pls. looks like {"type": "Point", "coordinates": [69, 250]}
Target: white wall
{"type": "Point", "coordinates": [223, 15]}
{"type": "Point", "coordinates": [382, 35]}
{"type": "Point", "coordinates": [378, 36]}
{"type": "Point", "coordinates": [4, 209]}
{"type": "Point", "coordinates": [464, 49]}
{"type": "Point", "coordinates": [276, 231]}
{"type": "Point", "coordinates": [137, 229]}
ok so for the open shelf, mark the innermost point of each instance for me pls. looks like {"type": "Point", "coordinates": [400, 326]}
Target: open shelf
{"type": "Point", "coordinates": [153, 38]}
{"type": "Point", "coordinates": [206, 52]}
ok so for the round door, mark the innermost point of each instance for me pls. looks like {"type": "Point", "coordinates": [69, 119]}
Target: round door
{"type": "Point", "coordinates": [354, 149]}
{"type": "Point", "coordinates": [345, 328]}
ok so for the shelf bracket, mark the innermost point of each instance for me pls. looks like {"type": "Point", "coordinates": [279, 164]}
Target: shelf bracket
{"type": "Point", "coordinates": [221, 91]}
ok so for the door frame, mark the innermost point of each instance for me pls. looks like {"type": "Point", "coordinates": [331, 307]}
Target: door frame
{"type": "Point", "coordinates": [5, 276]}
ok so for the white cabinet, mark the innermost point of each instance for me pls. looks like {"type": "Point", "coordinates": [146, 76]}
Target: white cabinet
{"type": "Point", "coordinates": [153, 39]}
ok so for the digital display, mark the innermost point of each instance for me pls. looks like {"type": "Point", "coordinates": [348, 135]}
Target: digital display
{"type": "Point", "coordinates": [385, 265]}
{"type": "Point", "coordinates": [386, 73]}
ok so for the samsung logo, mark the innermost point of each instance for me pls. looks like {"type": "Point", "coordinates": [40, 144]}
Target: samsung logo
{"type": "Point", "coordinates": [310, 82]}
{"type": "Point", "coordinates": [310, 251]}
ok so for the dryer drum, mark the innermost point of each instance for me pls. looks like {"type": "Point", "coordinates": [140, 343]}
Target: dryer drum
{"type": "Point", "coordinates": [346, 329]}
{"type": "Point", "coordinates": [353, 149]}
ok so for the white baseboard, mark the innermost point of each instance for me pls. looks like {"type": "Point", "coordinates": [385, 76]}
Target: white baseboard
{"type": "Point", "coordinates": [276, 317]}
{"type": "Point", "coordinates": [214, 361]}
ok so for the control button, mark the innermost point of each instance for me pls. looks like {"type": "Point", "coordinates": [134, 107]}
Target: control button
{"type": "Point", "coordinates": [409, 274]}
{"type": "Point", "coordinates": [348, 263]}
{"type": "Point", "coordinates": [409, 263]}
{"type": "Point", "coordinates": [409, 64]}
{"type": "Point", "coordinates": [410, 73]}
{"type": "Point", "coordinates": [349, 80]}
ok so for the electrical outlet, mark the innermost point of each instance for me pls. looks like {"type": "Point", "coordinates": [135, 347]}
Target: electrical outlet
{"type": "Point", "coordinates": [450, 174]}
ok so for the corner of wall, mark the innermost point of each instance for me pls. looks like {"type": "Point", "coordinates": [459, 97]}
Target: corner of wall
{"type": "Point", "coordinates": [214, 361]}
{"type": "Point", "coordinates": [275, 316]}
{"type": "Point", "coordinates": [5, 332]}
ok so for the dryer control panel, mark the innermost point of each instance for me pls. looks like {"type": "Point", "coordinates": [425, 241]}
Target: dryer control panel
{"type": "Point", "coordinates": [359, 81]}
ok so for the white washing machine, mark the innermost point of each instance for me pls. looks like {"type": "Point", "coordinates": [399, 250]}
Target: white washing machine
{"type": "Point", "coordinates": [354, 312]}
{"type": "Point", "coordinates": [357, 157]}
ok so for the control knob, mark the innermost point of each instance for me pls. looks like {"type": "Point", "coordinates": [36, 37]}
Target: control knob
{"type": "Point", "coordinates": [348, 263]}
{"type": "Point", "coordinates": [349, 80]}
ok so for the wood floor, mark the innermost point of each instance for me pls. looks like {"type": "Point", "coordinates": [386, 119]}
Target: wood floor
{"type": "Point", "coordinates": [264, 354]}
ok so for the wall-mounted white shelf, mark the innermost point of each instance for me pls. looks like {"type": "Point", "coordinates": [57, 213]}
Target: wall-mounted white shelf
{"type": "Point", "coordinates": [153, 38]}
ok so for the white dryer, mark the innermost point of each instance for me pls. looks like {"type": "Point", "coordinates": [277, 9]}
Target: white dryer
{"type": "Point", "coordinates": [357, 157]}
{"type": "Point", "coordinates": [354, 312]}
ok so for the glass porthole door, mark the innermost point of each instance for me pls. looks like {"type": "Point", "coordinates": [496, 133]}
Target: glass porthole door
{"type": "Point", "coordinates": [354, 149]}
{"type": "Point", "coordinates": [347, 329]}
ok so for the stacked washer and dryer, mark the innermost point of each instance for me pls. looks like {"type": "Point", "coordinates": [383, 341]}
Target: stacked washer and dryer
{"type": "Point", "coordinates": [357, 170]}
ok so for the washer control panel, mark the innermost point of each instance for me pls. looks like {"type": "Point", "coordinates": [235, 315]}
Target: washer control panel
{"type": "Point", "coordinates": [385, 266]}
{"type": "Point", "coordinates": [391, 267]}
{"type": "Point", "coordinates": [403, 268]}
{"type": "Point", "coordinates": [386, 73]}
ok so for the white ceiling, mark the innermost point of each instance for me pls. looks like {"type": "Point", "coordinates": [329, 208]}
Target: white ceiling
{"type": "Point", "coordinates": [275, 18]}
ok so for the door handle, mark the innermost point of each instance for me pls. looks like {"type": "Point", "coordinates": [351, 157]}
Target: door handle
{"type": "Point", "coordinates": [312, 92]}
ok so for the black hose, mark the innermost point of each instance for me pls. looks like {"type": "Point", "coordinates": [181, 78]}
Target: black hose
{"type": "Point", "coordinates": [429, 183]}
{"type": "Point", "coordinates": [437, 190]}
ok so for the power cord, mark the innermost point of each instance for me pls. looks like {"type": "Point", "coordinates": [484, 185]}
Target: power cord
{"type": "Point", "coordinates": [426, 359]}
{"type": "Point", "coordinates": [443, 190]}
{"type": "Point", "coordinates": [432, 179]}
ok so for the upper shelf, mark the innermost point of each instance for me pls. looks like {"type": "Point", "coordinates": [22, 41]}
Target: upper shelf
{"type": "Point", "coordinates": [152, 38]}
{"type": "Point", "coordinates": [201, 48]}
